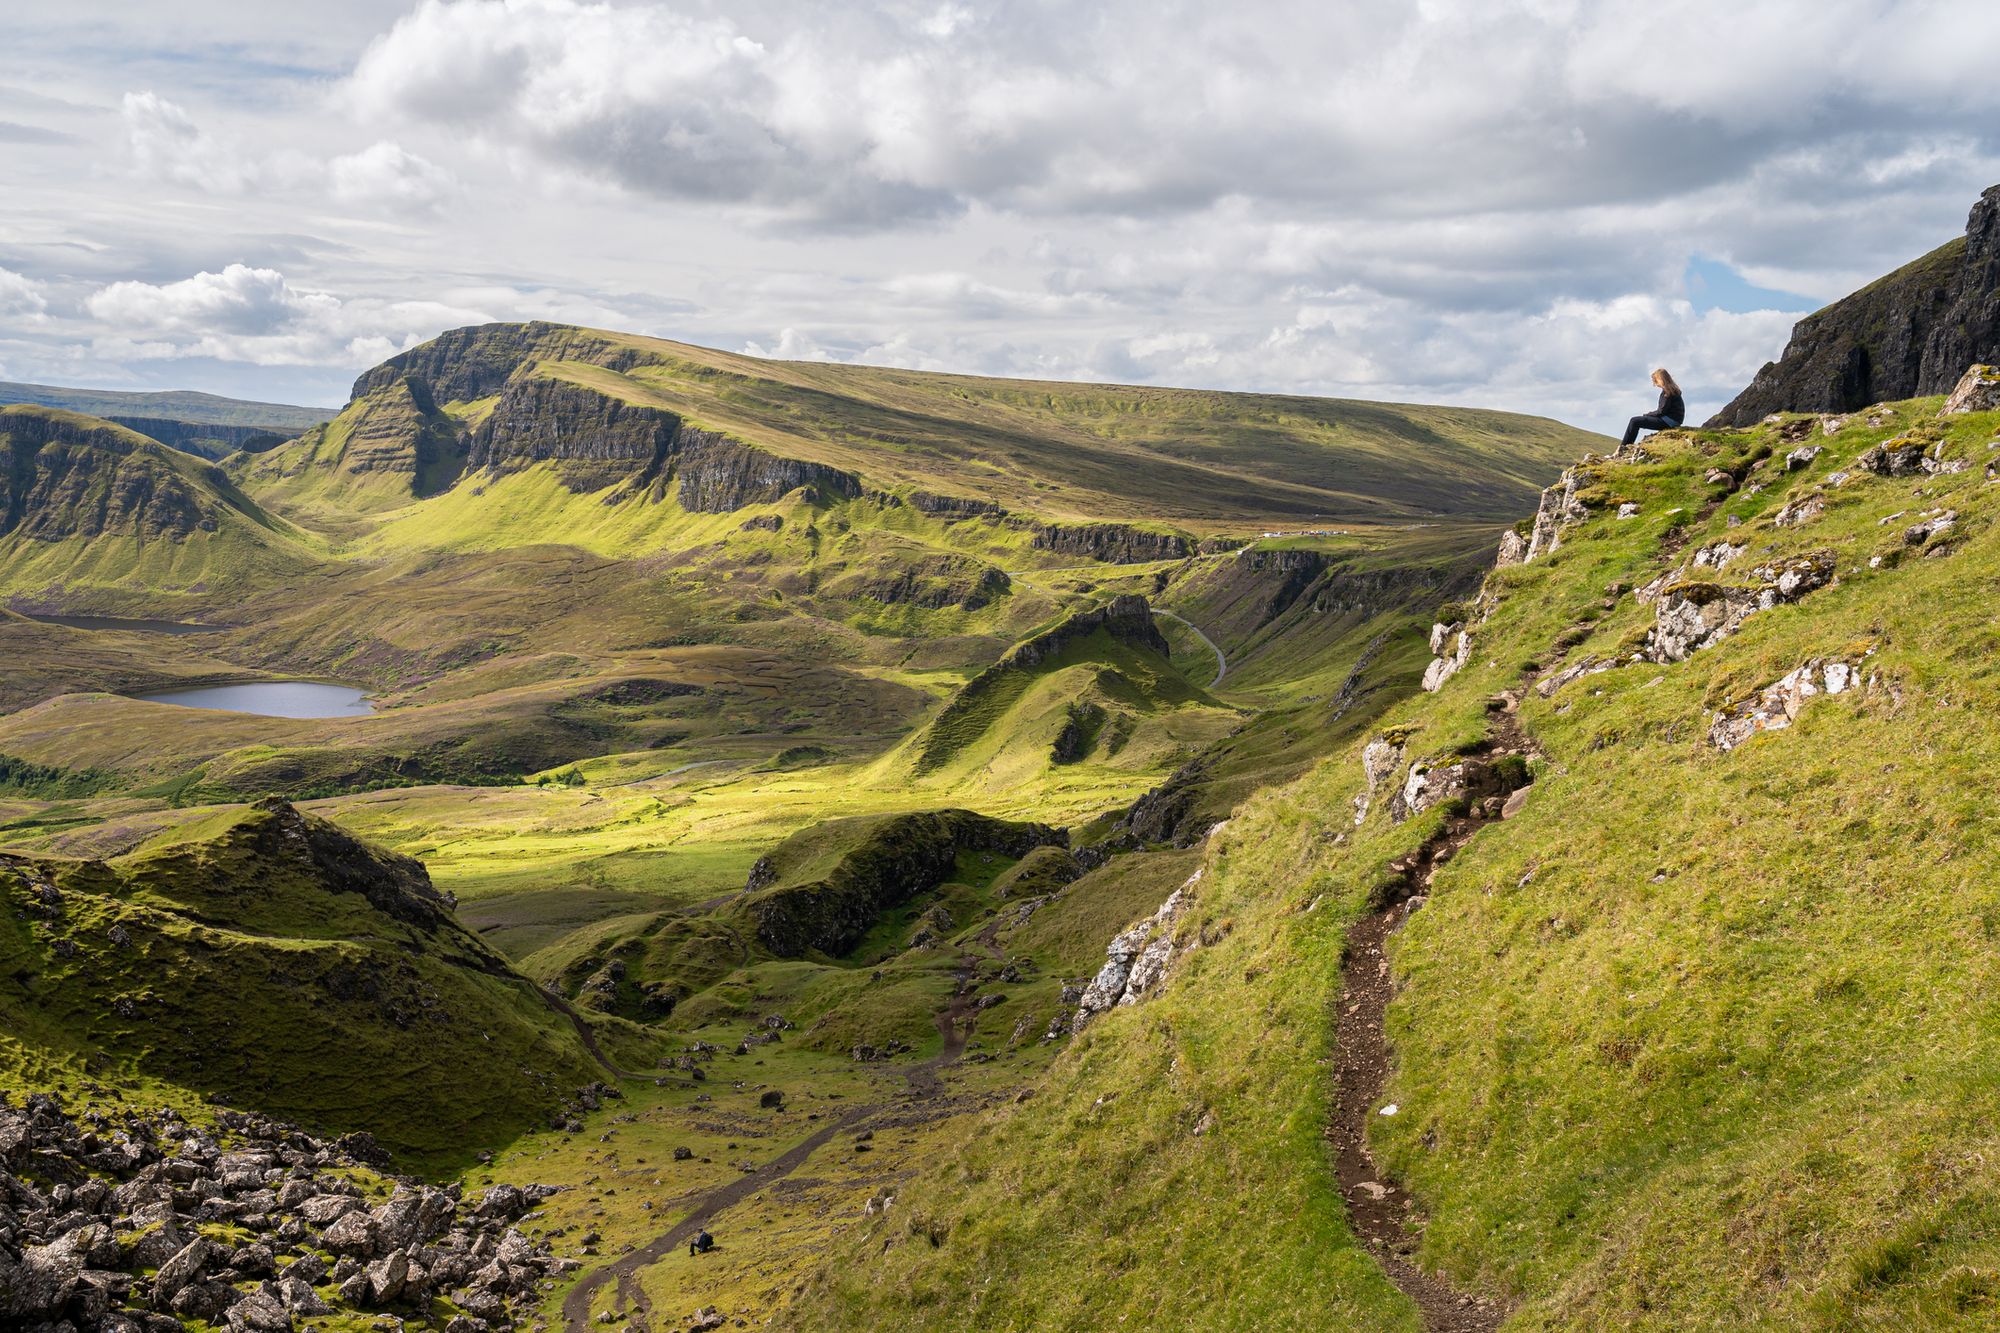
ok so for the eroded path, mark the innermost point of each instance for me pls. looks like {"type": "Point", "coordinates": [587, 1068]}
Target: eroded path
{"type": "Point", "coordinates": [1383, 1213]}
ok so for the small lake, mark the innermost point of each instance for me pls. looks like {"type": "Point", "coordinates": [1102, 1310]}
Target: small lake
{"type": "Point", "coordinates": [271, 698]}
{"type": "Point", "coordinates": [115, 622]}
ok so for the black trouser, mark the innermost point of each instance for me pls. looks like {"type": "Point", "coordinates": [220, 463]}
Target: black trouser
{"type": "Point", "coordinates": [1651, 421]}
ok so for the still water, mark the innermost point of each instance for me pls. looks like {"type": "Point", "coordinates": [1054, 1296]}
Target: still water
{"type": "Point", "coordinates": [272, 698]}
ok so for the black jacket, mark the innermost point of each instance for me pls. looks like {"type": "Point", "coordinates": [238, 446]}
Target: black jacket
{"type": "Point", "coordinates": [1672, 406]}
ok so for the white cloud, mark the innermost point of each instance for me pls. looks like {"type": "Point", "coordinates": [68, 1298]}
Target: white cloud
{"type": "Point", "coordinates": [254, 315]}
{"type": "Point", "coordinates": [865, 114]}
{"type": "Point", "coordinates": [22, 299]}
{"type": "Point", "coordinates": [167, 145]}
{"type": "Point", "coordinates": [388, 175]}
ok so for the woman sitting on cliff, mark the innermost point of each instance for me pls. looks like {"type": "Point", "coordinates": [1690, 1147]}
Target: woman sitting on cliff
{"type": "Point", "coordinates": [1671, 412]}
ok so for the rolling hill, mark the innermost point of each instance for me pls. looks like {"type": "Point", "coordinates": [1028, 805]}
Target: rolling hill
{"type": "Point", "coordinates": [721, 430]}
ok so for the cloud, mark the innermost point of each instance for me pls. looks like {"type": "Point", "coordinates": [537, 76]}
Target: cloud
{"type": "Point", "coordinates": [167, 145]}
{"type": "Point", "coordinates": [870, 114]}
{"type": "Point", "coordinates": [388, 175]}
{"type": "Point", "coordinates": [254, 315]}
{"type": "Point", "coordinates": [22, 299]}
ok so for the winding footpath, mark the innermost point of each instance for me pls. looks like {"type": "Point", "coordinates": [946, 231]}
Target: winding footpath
{"type": "Point", "coordinates": [1383, 1213]}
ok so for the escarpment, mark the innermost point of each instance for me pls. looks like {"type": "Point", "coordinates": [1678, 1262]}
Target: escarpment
{"type": "Point", "coordinates": [73, 476]}
{"type": "Point", "coordinates": [1906, 335]}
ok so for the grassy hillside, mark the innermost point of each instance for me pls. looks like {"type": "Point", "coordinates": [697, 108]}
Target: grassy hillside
{"type": "Point", "coordinates": [95, 511]}
{"type": "Point", "coordinates": [1199, 459]}
{"type": "Point", "coordinates": [266, 958]}
{"type": "Point", "coordinates": [1698, 1039]}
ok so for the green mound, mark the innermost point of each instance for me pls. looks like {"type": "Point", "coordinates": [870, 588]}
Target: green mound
{"type": "Point", "coordinates": [823, 891]}
{"type": "Point", "coordinates": [271, 960]}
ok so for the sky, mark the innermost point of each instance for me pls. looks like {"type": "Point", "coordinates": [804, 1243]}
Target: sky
{"type": "Point", "coordinates": [1524, 204]}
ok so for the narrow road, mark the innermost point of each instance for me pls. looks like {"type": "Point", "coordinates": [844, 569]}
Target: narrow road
{"type": "Point", "coordinates": [924, 1084]}
{"type": "Point", "coordinates": [1221, 662]}
{"type": "Point", "coordinates": [1381, 1210]}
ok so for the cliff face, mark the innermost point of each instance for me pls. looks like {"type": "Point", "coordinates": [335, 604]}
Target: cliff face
{"type": "Point", "coordinates": [1907, 335]}
{"type": "Point", "coordinates": [465, 364]}
{"type": "Point", "coordinates": [69, 476]}
{"type": "Point", "coordinates": [597, 441]}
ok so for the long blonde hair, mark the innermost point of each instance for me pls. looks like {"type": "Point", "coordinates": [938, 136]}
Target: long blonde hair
{"type": "Point", "coordinates": [1665, 381]}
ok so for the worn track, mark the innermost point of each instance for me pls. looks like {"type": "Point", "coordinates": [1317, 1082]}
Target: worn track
{"type": "Point", "coordinates": [1382, 1212]}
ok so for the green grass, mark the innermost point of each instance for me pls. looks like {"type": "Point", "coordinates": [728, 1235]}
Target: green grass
{"type": "Point", "coordinates": [1700, 1040]}
{"type": "Point", "coordinates": [306, 976]}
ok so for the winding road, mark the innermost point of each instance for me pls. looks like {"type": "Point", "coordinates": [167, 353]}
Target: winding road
{"type": "Point", "coordinates": [1221, 662]}
{"type": "Point", "coordinates": [924, 1085]}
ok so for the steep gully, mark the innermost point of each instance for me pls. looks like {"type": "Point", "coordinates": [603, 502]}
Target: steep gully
{"type": "Point", "coordinates": [1382, 1212]}
{"type": "Point", "coordinates": [953, 1024]}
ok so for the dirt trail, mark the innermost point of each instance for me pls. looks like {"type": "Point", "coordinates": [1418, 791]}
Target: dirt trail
{"type": "Point", "coordinates": [1383, 1213]}
{"type": "Point", "coordinates": [925, 1085]}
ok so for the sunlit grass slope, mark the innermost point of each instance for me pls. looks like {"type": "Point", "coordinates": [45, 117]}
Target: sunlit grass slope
{"type": "Point", "coordinates": [91, 508]}
{"type": "Point", "coordinates": [1701, 1039]}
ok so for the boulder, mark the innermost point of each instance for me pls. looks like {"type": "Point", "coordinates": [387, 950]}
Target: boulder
{"type": "Point", "coordinates": [1777, 705]}
{"type": "Point", "coordinates": [183, 1268]}
{"type": "Point", "coordinates": [1978, 391]}
{"type": "Point", "coordinates": [1380, 759]}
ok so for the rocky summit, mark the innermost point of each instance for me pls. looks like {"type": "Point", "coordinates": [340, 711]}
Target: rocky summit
{"type": "Point", "coordinates": [1907, 335]}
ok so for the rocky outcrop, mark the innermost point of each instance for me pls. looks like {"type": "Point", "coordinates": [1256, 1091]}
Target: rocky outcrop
{"type": "Point", "coordinates": [1778, 704]}
{"type": "Point", "coordinates": [1136, 959]}
{"type": "Point", "coordinates": [1560, 510]}
{"type": "Point", "coordinates": [1909, 334]}
{"type": "Point", "coordinates": [462, 365]}
{"type": "Point", "coordinates": [1111, 543]}
{"type": "Point", "coordinates": [896, 860]}
{"type": "Point", "coordinates": [1380, 759]}
{"type": "Point", "coordinates": [596, 440]}
{"type": "Point", "coordinates": [1695, 614]}
{"type": "Point", "coordinates": [951, 507]}
{"type": "Point", "coordinates": [1452, 646]}
{"type": "Point", "coordinates": [90, 1204]}
{"type": "Point", "coordinates": [1978, 391]}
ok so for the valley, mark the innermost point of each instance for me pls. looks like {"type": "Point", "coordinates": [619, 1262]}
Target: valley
{"type": "Point", "coordinates": [785, 732]}
{"type": "Point", "coordinates": [1446, 918]}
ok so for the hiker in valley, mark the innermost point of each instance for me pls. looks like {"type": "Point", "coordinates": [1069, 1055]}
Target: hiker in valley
{"type": "Point", "coordinates": [1671, 412]}
{"type": "Point", "coordinates": [701, 1244]}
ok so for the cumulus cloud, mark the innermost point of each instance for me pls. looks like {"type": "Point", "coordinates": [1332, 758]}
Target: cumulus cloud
{"type": "Point", "coordinates": [254, 315]}
{"type": "Point", "coordinates": [166, 144]}
{"type": "Point", "coordinates": [870, 113]}
{"type": "Point", "coordinates": [387, 174]}
{"type": "Point", "coordinates": [22, 299]}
